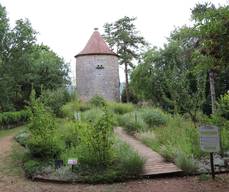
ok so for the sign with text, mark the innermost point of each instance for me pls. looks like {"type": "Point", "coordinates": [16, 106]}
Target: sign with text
{"type": "Point", "coordinates": [209, 138]}
{"type": "Point", "coordinates": [72, 161]}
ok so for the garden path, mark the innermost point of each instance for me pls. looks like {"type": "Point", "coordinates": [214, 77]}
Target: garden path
{"type": "Point", "coordinates": [155, 164]}
{"type": "Point", "coordinates": [18, 183]}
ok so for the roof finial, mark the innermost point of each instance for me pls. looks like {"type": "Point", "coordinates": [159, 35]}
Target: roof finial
{"type": "Point", "coordinates": [96, 28]}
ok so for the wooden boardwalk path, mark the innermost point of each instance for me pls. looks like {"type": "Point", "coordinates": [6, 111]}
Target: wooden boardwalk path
{"type": "Point", "coordinates": [154, 163]}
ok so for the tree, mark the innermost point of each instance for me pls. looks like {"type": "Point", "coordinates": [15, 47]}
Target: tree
{"type": "Point", "coordinates": [5, 80]}
{"type": "Point", "coordinates": [168, 77]}
{"type": "Point", "coordinates": [24, 63]}
{"type": "Point", "coordinates": [211, 28]}
{"type": "Point", "coordinates": [123, 37]}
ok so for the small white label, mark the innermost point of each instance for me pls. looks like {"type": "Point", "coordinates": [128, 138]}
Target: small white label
{"type": "Point", "coordinates": [77, 115]}
{"type": "Point", "coordinates": [209, 138]}
{"type": "Point", "coordinates": [72, 161]}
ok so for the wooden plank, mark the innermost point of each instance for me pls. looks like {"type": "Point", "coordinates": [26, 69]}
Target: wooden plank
{"type": "Point", "coordinates": [155, 164]}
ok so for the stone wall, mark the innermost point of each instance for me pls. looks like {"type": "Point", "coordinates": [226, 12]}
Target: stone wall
{"type": "Point", "coordinates": [98, 75]}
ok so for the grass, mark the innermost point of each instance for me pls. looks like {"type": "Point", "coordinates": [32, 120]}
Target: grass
{"type": "Point", "coordinates": [126, 164]}
{"type": "Point", "coordinates": [132, 122]}
{"type": "Point", "coordinates": [177, 141]}
{"type": "Point", "coordinates": [121, 108]}
{"type": "Point", "coordinates": [13, 131]}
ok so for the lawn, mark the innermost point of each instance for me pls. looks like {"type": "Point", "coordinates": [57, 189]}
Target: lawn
{"type": "Point", "coordinates": [13, 131]}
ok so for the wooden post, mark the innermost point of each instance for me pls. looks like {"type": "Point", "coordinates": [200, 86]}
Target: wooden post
{"type": "Point", "coordinates": [212, 165]}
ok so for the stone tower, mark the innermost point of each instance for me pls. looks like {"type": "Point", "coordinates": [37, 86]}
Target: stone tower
{"type": "Point", "coordinates": [97, 70]}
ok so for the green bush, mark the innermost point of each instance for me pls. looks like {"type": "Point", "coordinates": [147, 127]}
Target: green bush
{"type": "Point", "coordinates": [70, 108]}
{"type": "Point", "coordinates": [223, 106]}
{"type": "Point", "coordinates": [132, 122]}
{"type": "Point", "coordinates": [96, 142]}
{"type": "Point", "coordinates": [125, 164]}
{"type": "Point", "coordinates": [168, 152]}
{"type": "Point", "coordinates": [154, 117]}
{"type": "Point", "coordinates": [120, 108]}
{"type": "Point", "coordinates": [42, 142]}
{"type": "Point", "coordinates": [91, 115]}
{"type": "Point", "coordinates": [55, 99]}
{"type": "Point", "coordinates": [10, 119]}
{"type": "Point", "coordinates": [130, 164]}
{"type": "Point", "coordinates": [71, 135]}
{"type": "Point", "coordinates": [97, 101]}
{"type": "Point", "coordinates": [186, 163]}
{"type": "Point", "coordinates": [31, 167]}
{"type": "Point", "coordinates": [22, 137]}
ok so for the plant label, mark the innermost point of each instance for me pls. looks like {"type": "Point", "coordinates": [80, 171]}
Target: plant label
{"type": "Point", "coordinates": [72, 161]}
{"type": "Point", "coordinates": [209, 138]}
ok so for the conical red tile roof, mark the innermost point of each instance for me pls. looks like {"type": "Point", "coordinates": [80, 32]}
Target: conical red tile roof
{"type": "Point", "coordinates": [96, 46]}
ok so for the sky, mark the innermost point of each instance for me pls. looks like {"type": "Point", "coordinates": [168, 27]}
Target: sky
{"type": "Point", "coordinates": [66, 25]}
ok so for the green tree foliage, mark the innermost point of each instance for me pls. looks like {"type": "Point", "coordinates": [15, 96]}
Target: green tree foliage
{"type": "Point", "coordinates": [97, 142]}
{"type": "Point", "coordinates": [167, 77]}
{"type": "Point", "coordinates": [42, 142]}
{"type": "Point", "coordinates": [175, 76]}
{"type": "Point", "coordinates": [123, 37]}
{"type": "Point", "coordinates": [24, 63]}
{"type": "Point", "coordinates": [211, 29]}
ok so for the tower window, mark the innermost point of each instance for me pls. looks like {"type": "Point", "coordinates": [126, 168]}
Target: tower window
{"type": "Point", "coordinates": [99, 67]}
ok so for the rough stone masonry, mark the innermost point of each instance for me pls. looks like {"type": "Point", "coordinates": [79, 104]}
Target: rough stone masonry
{"type": "Point", "coordinates": [97, 70]}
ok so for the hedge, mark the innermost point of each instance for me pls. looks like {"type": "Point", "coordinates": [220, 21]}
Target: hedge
{"type": "Point", "coordinates": [12, 119]}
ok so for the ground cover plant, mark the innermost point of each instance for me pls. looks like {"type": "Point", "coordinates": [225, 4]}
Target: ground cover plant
{"type": "Point", "coordinates": [175, 137]}
{"type": "Point", "coordinates": [90, 139]}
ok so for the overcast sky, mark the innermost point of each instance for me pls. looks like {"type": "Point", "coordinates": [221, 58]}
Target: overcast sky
{"type": "Point", "coordinates": [66, 25]}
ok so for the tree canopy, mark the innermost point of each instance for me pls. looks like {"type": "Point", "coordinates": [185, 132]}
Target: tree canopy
{"type": "Point", "coordinates": [25, 64]}
{"type": "Point", "coordinates": [175, 77]}
{"type": "Point", "coordinates": [125, 40]}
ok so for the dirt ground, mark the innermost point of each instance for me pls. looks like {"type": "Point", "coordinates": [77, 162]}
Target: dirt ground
{"type": "Point", "coordinates": [18, 183]}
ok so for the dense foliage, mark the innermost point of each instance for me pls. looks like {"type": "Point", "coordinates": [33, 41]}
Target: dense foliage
{"type": "Point", "coordinates": [175, 77]}
{"type": "Point", "coordinates": [24, 63]}
{"type": "Point", "coordinates": [12, 119]}
{"type": "Point", "coordinates": [42, 143]}
{"type": "Point", "coordinates": [88, 138]}
{"type": "Point", "coordinates": [126, 41]}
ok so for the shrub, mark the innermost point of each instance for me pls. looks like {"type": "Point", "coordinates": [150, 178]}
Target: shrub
{"type": "Point", "coordinates": [70, 108]}
{"type": "Point", "coordinates": [42, 142]}
{"type": "Point", "coordinates": [121, 108]}
{"type": "Point", "coordinates": [126, 163]}
{"type": "Point", "coordinates": [96, 142]}
{"type": "Point", "coordinates": [31, 167]}
{"type": "Point", "coordinates": [22, 137]}
{"type": "Point", "coordinates": [186, 163]}
{"type": "Point", "coordinates": [71, 135]}
{"type": "Point", "coordinates": [132, 122]}
{"type": "Point", "coordinates": [129, 162]}
{"type": "Point", "coordinates": [154, 117]}
{"type": "Point", "coordinates": [168, 152]}
{"type": "Point", "coordinates": [10, 119]}
{"type": "Point", "coordinates": [97, 101]}
{"type": "Point", "coordinates": [92, 115]}
{"type": "Point", "coordinates": [55, 99]}
{"type": "Point", "coordinates": [223, 106]}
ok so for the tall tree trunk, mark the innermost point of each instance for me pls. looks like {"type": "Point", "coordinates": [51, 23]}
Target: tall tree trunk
{"type": "Point", "coordinates": [213, 103]}
{"type": "Point", "coordinates": [127, 83]}
{"type": "Point", "coordinates": [212, 90]}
